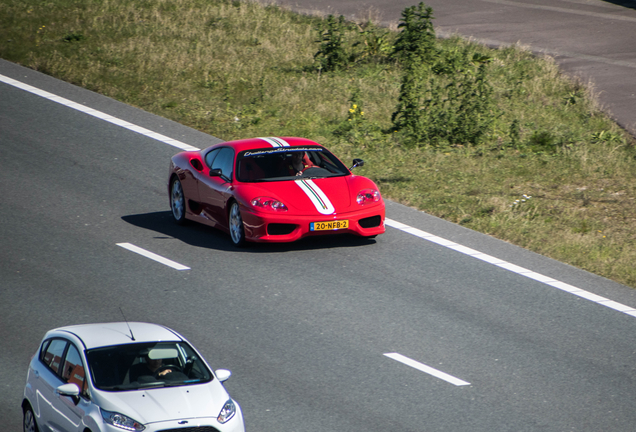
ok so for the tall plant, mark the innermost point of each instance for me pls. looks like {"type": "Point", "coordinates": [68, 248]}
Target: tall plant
{"type": "Point", "coordinates": [416, 42]}
{"type": "Point", "coordinates": [471, 108]}
{"type": "Point", "coordinates": [415, 50]}
{"type": "Point", "coordinates": [331, 55]}
{"type": "Point", "coordinates": [445, 97]}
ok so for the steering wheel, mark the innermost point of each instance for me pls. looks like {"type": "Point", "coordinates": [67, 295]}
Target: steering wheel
{"type": "Point", "coordinates": [174, 368]}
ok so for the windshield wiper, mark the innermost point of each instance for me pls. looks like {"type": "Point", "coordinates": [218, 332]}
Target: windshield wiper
{"type": "Point", "coordinates": [177, 383]}
{"type": "Point", "coordinates": [122, 387]}
{"type": "Point", "coordinates": [155, 384]}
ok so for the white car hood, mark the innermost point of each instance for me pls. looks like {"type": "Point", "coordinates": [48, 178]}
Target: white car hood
{"type": "Point", "coordinates": [169, 403]}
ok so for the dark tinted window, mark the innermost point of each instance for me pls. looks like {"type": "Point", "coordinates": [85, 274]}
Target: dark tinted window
{"type": "Point", "coordinates": [73, 370]}
{"type": "Point", "coordinates": [224, 161]}
{"type": "Point", "coordinates": [133, 366]}
{"type": "Point", "coordinates": [52, 357]}
{"type": "Point", "coordinates": [275, 164]}
{"type": "Point", "coordinates": [210, 157]}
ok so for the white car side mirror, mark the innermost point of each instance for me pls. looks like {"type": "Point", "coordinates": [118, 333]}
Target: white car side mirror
{"type": "Point", "coordinates": [68, 390]}
{"type": "Point", "coordinates": [222, 374]}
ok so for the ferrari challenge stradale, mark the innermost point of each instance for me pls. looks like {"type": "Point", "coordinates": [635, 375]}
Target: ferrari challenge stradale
{"type": "Point", "coordinates": [273, 190]}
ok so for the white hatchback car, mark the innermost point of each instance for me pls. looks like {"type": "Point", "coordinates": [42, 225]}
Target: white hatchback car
{"type": "Point", "coordinates": [125, 377]}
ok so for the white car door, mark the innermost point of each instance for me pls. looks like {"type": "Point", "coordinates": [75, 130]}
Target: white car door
{"type": "Point", "coordinates": [62, 365]}
{"type": "Point", "coordinates": [46, 382]}
{"type": "Point", "coordinates": [73, 408]}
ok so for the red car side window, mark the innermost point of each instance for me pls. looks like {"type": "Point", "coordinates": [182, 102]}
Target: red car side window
{"type": "Point", "coordinates": [224, 161]}
{"type": "Point", "coordinates": [210, 157]}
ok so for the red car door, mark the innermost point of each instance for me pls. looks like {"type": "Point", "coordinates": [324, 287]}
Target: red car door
{"type": "Point", "coordinates": [215, 190]}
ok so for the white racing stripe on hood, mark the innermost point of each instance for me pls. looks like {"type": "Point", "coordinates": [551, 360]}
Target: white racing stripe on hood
{"type": "Point", "coordinates": [275, 142]}
{"type": "Point", "coordinates": [317, 196]}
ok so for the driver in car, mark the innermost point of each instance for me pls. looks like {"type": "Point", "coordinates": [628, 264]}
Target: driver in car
{"type": "Point", "coordinates": [298, 163]}
{"type": "Point", "coordinates": [149, 368]}
{"type": "Point", "coordinates": [154, 365]}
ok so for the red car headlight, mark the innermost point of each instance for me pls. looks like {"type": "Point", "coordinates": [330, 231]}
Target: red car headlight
{"type": "Point", "coordinates": [267, 203]}
{"type": "Point", "coordinates": [367, 196]}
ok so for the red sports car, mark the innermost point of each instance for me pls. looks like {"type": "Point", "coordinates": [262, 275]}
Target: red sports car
{"type": "Point", "coordinates": [273, 190]}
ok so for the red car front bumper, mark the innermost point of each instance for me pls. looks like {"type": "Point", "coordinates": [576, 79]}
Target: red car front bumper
{"type": "Point", "coordinates": [281, 227]}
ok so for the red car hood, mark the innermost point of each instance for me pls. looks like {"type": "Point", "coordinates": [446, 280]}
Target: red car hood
{"type": "Point", "coordinates": [306, 197]}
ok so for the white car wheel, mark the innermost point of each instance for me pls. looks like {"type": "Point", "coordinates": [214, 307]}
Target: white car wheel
{"type": "Point", "coordinates": [29, 421]}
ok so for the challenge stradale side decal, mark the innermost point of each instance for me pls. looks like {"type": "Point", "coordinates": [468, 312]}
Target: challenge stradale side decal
{"type": "Point", "coordinates": [317, 196]}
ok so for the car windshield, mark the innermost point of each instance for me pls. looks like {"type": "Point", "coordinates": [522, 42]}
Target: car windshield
{"type": "Point", "coordinates": [146, 365]}
{"type": "Point", "coordinates": [287, 163]}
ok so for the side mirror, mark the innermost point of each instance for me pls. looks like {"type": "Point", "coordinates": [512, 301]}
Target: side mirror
{"type": "Point", "coordinates": [222, 374]}
{"type": "Point", "coordinates": [357, 163]}
{"type": "Point", "coordinates": [71, 390]}
{"type": "Point", "coordinates": [216, 172]}
{"type": "Point", "coordinates": [68, 390]}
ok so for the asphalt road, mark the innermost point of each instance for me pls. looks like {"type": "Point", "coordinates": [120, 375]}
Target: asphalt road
{"type": "Point", "coordinates": [589, 39]}
{"type": "Point", "coordinates": [305, 328]}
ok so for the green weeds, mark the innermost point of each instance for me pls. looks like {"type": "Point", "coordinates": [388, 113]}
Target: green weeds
{"type": "Point", "coordinates": [331, 55]}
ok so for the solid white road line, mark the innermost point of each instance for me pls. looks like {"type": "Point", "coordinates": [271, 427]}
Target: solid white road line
{"type": "Point", "coordinates": [512, 267]}
{"type": "Point", "coordinates": [153, 256]}
{"type": "Point", "coordinates": [427, 369]}
{"type": "Point", "coordinates": [98, 114]}
{"type": "Point", "coordinates": [398, 225]}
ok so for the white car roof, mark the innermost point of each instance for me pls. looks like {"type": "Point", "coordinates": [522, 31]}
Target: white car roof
{"type": "Point", "coordinates": [118, 333]}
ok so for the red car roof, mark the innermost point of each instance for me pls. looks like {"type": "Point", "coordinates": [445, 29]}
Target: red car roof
{"type": "Point", "coordinates": [256, 143]}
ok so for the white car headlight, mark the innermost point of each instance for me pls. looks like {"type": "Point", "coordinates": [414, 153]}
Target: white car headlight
{"type": "Point", "coordinates": [227, 412]}
{"type": "Point", "coordinates": [121, 421]}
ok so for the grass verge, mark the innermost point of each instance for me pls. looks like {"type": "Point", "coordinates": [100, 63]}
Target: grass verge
{"type": "Point", "coordinates": [553, 174]}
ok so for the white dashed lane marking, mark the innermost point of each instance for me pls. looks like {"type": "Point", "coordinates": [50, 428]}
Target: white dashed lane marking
{"type": "Point", "coordinates": [153, 256]}
{"type": "Point", "coordinates": [426, 369]}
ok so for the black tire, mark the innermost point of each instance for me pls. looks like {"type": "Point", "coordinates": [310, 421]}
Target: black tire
{"type": "Point", "coordinates": [237, 231]}
{"type": "Point", "coordinates": [28, 423]}
{"type": "Point", "coordinates": [177, 201]}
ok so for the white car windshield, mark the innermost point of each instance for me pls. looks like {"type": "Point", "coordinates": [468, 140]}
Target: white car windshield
{"type": "Point", "coordinates": [146, 365]}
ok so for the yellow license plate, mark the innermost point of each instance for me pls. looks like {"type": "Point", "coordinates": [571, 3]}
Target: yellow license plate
{"type": "Point", "coordinates": [327, 226]}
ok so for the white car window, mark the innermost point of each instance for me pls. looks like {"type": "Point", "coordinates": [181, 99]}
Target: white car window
{"type": "Point", "coordinates": [73, 371]}
{"type": "Point", "coordinates": [146, 365]}
{"type": "Point", "coordinates": [53, 354]}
